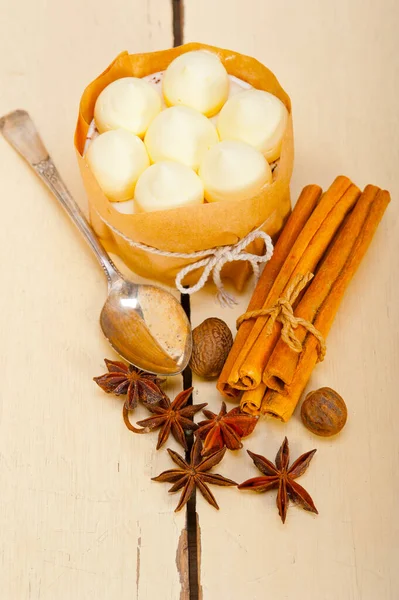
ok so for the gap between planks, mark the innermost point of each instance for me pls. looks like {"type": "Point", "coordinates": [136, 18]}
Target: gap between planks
{"type": "Point", "coordinates": [191, 534]}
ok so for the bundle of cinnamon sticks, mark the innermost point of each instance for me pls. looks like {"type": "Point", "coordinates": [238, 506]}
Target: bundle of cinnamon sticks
{"type": "Point", "coordinates": [321, 245]}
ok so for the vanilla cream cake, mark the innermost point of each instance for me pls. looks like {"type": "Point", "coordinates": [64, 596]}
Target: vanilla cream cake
{"type": "Point", "coordinates": [208, 136]}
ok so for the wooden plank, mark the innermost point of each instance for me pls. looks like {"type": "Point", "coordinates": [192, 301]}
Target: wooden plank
{"type": "Point", "coordinates": [79, 516]}
{"type": "Point", "coordinates": [339, 64]}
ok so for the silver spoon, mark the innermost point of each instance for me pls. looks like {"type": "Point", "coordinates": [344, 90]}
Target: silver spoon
{"type": "Point", "coordinates": [145, 324]}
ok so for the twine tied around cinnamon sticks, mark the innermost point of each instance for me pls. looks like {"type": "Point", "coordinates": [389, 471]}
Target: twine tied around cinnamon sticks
{"type": "Point", "coordinates": [283, 313]}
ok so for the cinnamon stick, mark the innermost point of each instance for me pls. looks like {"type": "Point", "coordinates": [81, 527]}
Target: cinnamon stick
{"type": "Point", "coordinates": [251, 400]}
{"type": "Point", "coordinates": [304, 257]}
{"type": "Point", "coordinates": [335, 192]}
{"type": "Point", "coordinates": [283, 362]}
{"type": "Point", "coordinates": [295, 223]}
{"type": "Point", "coordinates": [280, 406]}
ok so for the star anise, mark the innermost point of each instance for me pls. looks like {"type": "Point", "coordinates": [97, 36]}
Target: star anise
{"type": "Point", "coordinates": [282, 477]}
{"type": "Point", "coordinates": [173, 417]}
{"type": "Point", "coordinates": [225, 429]}
{"type": "Point", "coordinates": [194, 474]}
{"type": "Point", "coordinates": [126, 379]}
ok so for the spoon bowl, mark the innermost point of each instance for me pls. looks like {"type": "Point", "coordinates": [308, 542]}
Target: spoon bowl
{"type": "Point", "coordinates": [144, 324]}
{"type": "Point", "coordinates": [147, 326]}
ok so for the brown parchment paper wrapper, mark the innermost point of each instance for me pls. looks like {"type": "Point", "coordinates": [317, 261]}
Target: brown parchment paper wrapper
{"type": "Point", "coordinates": [191, 228]}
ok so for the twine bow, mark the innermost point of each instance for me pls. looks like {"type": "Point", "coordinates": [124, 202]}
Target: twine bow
{"type": "Point", "coordinates": [283, 313]}
{"type": "Point", "coordinates": [212, 260]}
{"type": "Point", "coordinates": [216, 258]}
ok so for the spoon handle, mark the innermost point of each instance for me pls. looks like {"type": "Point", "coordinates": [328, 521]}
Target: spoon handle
{"type": "Point", "coordinates": [19, 130]}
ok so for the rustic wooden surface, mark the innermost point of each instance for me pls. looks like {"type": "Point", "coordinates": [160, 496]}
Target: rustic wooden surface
{"type": "Point", "coordinates": [79, 517]}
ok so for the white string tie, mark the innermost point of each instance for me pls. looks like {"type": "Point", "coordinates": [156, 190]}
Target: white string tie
{"type": "Point", "coordinates": [212, 260]}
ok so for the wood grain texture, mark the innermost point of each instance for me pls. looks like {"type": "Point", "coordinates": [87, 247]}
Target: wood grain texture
{"type": "Point", "coordinates": [79, 516]}
{"type": "Point", "coordinates": [339, 63]}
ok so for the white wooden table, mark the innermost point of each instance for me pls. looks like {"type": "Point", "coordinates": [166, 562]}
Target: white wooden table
{"type": "Point", "coordinates": [79, 516]}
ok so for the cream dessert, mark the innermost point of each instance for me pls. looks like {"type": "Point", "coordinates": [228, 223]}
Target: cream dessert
{"type": "Point", "coordinates": [167, 184]}
{"type": "Point", "coordinates": [233, 171]}
{"type": "Point", "coordinates": [229, 149]}
{"type": "Point", "coordinates": [257, 118]}
{"type": "Point", "coordinates": [182, 134]}
{"type": "Point", "coordinates": [196, 79]}
{"type": "Point", "coordinates": [117, 158]}
{"type": "Point", "coordinates": [129, 103]}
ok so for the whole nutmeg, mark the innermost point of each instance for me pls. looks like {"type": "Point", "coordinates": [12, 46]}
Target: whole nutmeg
{"type": "Point", "coordinates": [324, 412]}
{"type": "Point", "coordinates": [212, 341]}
